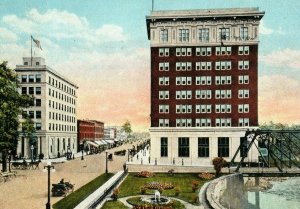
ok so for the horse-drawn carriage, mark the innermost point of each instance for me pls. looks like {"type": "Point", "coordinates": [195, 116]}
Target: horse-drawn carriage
{"type": "Point", "coordinates": [62, 188]}
{"type": "Point", "coordinates": [25, 165]}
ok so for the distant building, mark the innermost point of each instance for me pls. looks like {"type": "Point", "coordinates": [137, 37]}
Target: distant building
{"type": "Point", "coordinates": [53, 110]}
{"type": "Point", "coordinates": [90, 130]}
{"type": "Point", "coordinates": [204, 87]}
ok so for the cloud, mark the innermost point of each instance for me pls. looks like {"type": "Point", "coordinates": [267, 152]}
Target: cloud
{"type": "Point", "coordinates": [7, 35]}
{"type": "Point", "coordinates": [287, 58]}
{"type": "Point", "coordinates": [279, 102]}
{"type": "Point", "coordinates": [63, 25]}
{"type": "Point", "coordinates": [264, 29]}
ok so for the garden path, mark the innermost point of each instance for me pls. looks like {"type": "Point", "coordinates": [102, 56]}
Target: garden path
{"type": "Point", "coordinates": [186, 204]}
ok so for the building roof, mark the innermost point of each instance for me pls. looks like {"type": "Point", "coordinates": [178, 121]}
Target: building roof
{"type": "Point", "coordinates": [20, 68]}
{"type": "Point", "coordinates": [203, 14]}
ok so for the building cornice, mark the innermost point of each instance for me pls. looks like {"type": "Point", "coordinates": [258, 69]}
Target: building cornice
{"type": "Point", "coordinates": [43, 68]}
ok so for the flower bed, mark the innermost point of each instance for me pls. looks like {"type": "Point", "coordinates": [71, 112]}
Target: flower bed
{"type": "Point", "coordinates": [159, 185]}
{"type": "Point", "coordinates": [144, 174]}
{"type": "Point", "coordinates": [206, 176]}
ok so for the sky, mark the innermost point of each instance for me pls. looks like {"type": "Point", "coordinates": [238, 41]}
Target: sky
{"type": "Point", "coordinates": [102, 46]}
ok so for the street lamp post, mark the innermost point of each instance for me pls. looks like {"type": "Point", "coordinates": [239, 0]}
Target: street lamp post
{"type": "Point", "coordinates": [128, 154]}
{"type": "Point", "coordinates": [9, 158]}
{"type": "Point", "coordinates": [82, 151]}
{"type": "Point", "coordinates": [32, 148]}
{"type": "Point", "coordinates": [106, 171]}
{"type": "Point", "coordinates": [48, 168]}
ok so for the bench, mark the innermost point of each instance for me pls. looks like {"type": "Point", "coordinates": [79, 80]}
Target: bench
{"type": "Point", "coordinates": [6, 175]}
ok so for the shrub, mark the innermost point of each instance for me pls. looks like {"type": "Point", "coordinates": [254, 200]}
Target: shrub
{"type": "Point", "coordinates": [195, 185]}
{"type": "Point", "coordinates": [115, 194]}
{"type": "Point", "coordinates": [143, 190]}
{"type": "Point", "coordinates": [144, 174]}
{"type": "Point", "coordinates": [206, 176]}
{"type": "Point", "coordinates": [218, 163]}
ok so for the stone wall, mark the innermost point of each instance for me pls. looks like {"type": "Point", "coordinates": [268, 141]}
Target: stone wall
{"type": "Point", "coordinates": [227, 192]}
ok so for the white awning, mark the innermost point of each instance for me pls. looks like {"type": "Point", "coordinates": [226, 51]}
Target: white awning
{"type": "Point", "coordinates": [101, 142]}
{"type": "Point", "coordinates": [109, 141]}
{"type": "Point", "coordinates": [92, 143]}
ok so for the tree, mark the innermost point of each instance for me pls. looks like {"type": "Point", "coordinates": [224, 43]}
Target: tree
{"type": "Point", "coordinates": [219, 163]}
{"type": "Point", "coordinates": [28, 130]}
{"type": "Point", "coordinates": [127, 127]}
{"type": "Point", "coordinates": [11, 104]}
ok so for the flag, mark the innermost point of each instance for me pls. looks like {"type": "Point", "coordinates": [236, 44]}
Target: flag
{"type": "Point", "coordinates": [37, 43]}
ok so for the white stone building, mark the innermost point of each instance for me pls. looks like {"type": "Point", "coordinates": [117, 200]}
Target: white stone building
{"type": "Point", "coordinates": [53, 111]}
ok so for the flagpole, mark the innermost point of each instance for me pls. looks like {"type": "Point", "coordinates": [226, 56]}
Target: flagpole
{"type": "Point", "coordinates": [31, 49]}
{"type": "Point", "coordinates": [152, 5]}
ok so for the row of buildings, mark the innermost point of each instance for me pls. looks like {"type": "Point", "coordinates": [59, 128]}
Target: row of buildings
{"type": "Point", "coordinates": [54, 112]}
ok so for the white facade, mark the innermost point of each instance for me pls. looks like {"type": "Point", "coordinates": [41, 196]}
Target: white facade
{"type": "Point", "coordinates": [194, 157]}
{"type": "Point", "coordinates": [53, 112]}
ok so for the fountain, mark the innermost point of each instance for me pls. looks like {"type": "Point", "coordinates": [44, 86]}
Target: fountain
{"type": "Point", "coordinates": [157, 199]}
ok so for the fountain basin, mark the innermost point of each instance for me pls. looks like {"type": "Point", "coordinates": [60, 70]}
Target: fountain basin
{"type": "Point", "coordinates": [152, 200]}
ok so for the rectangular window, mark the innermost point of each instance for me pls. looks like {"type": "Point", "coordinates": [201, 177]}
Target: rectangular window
{"type": "Point", "coordinates": [223, 146]}
{"type": "Point", "coordinates": [244, 33]}
{"type": "Point", "coordinates": [31, 90]}
{"type": "Point", "coordinates": [163, 66]}
{"type": "Point", "coordinates": [163, 108]}
{"type": "Point", "coordinates": [243, 65]}
{"type": "Point", "coordinates": [243, 50]}
{"type": "Point", "coordinates": [203, 147]}
{"type": "Point", "coordinates": [31, 114]}
{"type": "Point", "coordinates": [163, 81]}
{"type": "Point", "coordinates": [184, 35]}
{"type": "Point", "coordinates": [163, 94]}
{"type": "Point", "coordinates": [38, 114]}
{"type": "Point", "coordinates": [38, 90]}
{"type": "Point", "coordinates": [243, 122]}
{"type": "Point", "coordinates": [243, 93]}
{"type": "Point", "coordinates": [220, 51]}
{"type": "Point", "coordinates": [183, 147]}
{"type": "Point", "coordinates": [164, 147]}
{"type": "Point", "coordinates": [24, 90]}
{"type": "Point", "coordinates": [203, 51]}
{"type": "Point", "coordinates": [38, 78]}
{"type": "Point", "coordinates": [243, 79]}
{"type": "Point", "coordinates": [24, 78]}
{"type": "Point", "coordinates": [38, 126]}
{"type": "Point", "coordinates": [163, 52]}
{"type": "Point", "coordinates": [163, 35]}
{"type": "Point", "coordinates": [224, 34]}
{"type": "Point", "coordinates": [31, 78]}
{"type": "Point", "coordinates": [163, 122]}
{"type": "Point", "coordinates": [203, 122]}
{"type": "Point", "coordinates": [204, 35]}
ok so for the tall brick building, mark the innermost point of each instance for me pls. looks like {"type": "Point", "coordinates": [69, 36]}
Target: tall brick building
{"type": "Point", "coordinates": [204, 85]}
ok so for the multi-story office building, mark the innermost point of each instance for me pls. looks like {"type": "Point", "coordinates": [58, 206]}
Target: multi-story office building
{"type": "Point", "coordinates": [203, 83]}
{"type": "Point", "coordinates": [53, 111]}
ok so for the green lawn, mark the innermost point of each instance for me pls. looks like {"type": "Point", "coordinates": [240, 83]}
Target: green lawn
{"type": "Point", "coordinates": [132, 184]}
{"type": "Point", "coordinates": [73, 199]}
{"type": "Point", "coordinates": [113, 205]}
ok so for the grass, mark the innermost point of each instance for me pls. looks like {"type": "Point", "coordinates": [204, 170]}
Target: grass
{"type": "Point", "coordinates": [113, 205]}
{"type": "Point", "coordinates": [73, 199]}
{"type": "Point", "coordinates": [132, 184]}
{"type": "Point", "coordinates": [136, 201]}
